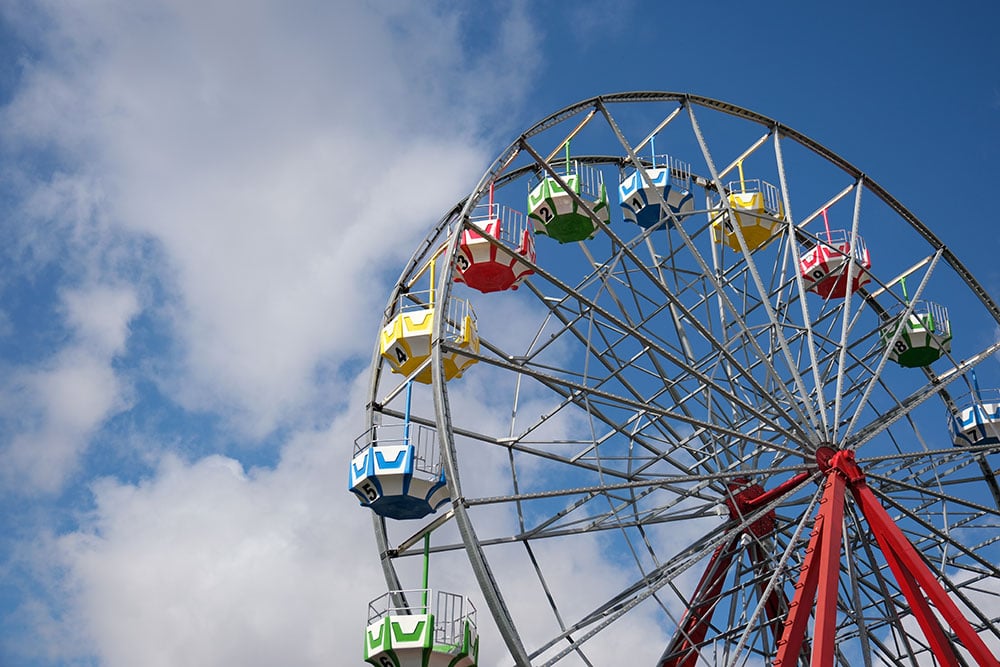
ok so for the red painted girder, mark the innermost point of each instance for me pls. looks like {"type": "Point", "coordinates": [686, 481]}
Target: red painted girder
{"type": "Point", "coordinates": [776, 602]}
{"type": "Point", "coordinates": [918, 604]}
{"type": "Point", "coordinates": [683, 650]}
{"type": "Point", "coordinates": [825, 630]}
{"type": "Point", "coordinates": [916, 574]}
{"type": "Point", "coordinates": [767, 496]}
{"type": "Point", "coordinates": [826, 532]}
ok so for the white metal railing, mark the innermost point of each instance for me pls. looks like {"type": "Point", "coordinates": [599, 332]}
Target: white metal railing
{"type": "Point", "coordinates": [458, 309]}
{"type": "Point", "coordinates": [841, 237]}
{"type": "Point", "coordinates": [513, 223]}
{"type": "Point", "coordinates": [591, 180]}
{"type": "Point", "coordinates": [413, 301]}
{"type": "Point", "coordinates": [984, 402]}
{"type": "Point", "coordinates": [979, 396]}
{"type": "Point", "coordinates": [426, 453]}
{"type": "Point", "coordinates": [451, 611]}
{"type": "Point", "coordinates": [393, 603]}
{"type": "Point", "coordinates": [679, 170]}
{"type": "Point", "coordinates": [927, 314]}
{"type": "Point", "coordinates": [772, 201]}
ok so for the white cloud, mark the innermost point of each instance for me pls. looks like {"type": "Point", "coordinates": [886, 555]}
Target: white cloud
{"type": "Point", "coordinates": [283, 160]}
{"type": "Point", "coordinates": [101, 316]}
{"type": "Point", "coordinates": [246, 178]}
{"type": "Point", "coordinates": [54, 409]}
{"type": "Point", "coordinates": [208, 564]}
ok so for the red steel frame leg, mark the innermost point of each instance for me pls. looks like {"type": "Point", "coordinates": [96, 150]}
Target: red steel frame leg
{"type": "Point", "coordinates": [694, 627]}
{"type": "Point", "coordinates": [825, 631]}
{"type": "Point", "coordinates": [912, 568]}
{"type": "Point", "coordinates": [683, 651]}
{"type": "Point", "coordinates": [774, 606]}
{"type": "Point", "coordinates": [819, 577]}
{"type": "Point", "coordinates": [824, 546]}
{"type": "Point", "coordinates": [921, 609]}
{"type": "Point", "coordinates": [747, 497]}
{"type": "Point", "coordinates": [821, 571]}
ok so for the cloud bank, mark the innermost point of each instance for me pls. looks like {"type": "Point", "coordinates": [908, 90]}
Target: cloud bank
{"type": "Point", "coordinates": [208, 201]}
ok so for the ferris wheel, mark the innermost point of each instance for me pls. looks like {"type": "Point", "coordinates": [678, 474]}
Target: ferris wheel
{"type": "Point", "coordinates": [677, 385]}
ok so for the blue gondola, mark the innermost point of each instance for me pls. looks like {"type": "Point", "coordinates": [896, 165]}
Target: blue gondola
{"type": "Point", "coordinates": [978, 419]}
{"type": "Point", "coordinates": [671, 179]}
{"type": "Point", "coordinates": [395, 471]}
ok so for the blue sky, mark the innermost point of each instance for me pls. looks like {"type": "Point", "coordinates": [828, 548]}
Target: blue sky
{"type": "Point", "coordinates": [203, 208]}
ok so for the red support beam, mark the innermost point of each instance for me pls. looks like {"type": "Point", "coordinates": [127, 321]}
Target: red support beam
{"type": "Point", "coordinates": [820, 576]}
{"type": "Point", "coordinates": [745, 497]}
{"type": "Point", "coordinates": [918, 604]}
{"type": "Point", "coordinates": [825, 631]}
{"type": "Point", "coordinates": [683, 650]}
{"type": "Point", "coordinates": [750, 502]}
{"type": "Point", "coordinates": [828, 520]}
{"type": "Point", "coordinates": [776, 603]}
{"type": "Point", "coordinates": [913, 569]}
